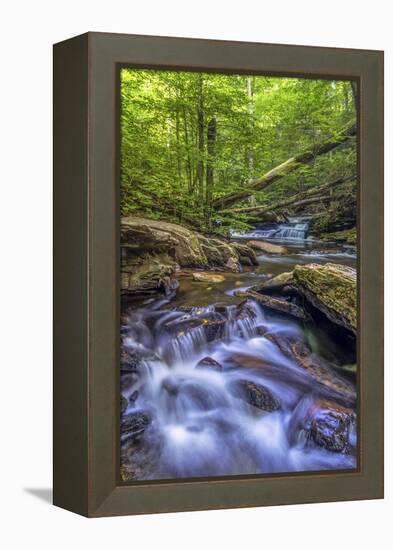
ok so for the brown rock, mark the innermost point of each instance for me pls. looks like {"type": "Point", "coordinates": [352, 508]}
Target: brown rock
{"type": "Point", "coordinates": [204, 277]}
{"type": "Point", "coordinates": [267, 248]}
{"type": "Point", "coordinates": [255, 394]}
{"type": "Point", "coordinates": [276, 304]}
{"type": "Point", "coordinates": [209, 363]}
{"type": "Point", "coordinates": [319, 369]}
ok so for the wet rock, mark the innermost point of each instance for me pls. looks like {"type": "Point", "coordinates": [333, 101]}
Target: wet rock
{"type": "Point", "coordinates": [261, 330]}
{"type": "Point", "coordinates": [171, 385]}
{"type": "Point", "coordinates": [132, 360]}
{"type": "Point", "coordinates": [217, 252]}
{"type": "Point", "coordinates": [134, 424]}
{"type": "Point", "coordinates": [211, 322]}
{"type": "Point", "coordinates": [134, 396]}
{"type": "Point", "coordinates": [276, 304]}
{"type": "Point", "coordinates": [233, 265]}
{"type": "Point", "coordinates": [214, 329]}
{"type": "Point", "coordinates": [255, 394]}
{"type": "Point", "coordinates": [246, 254]}
{"type": "Point", "coordinates": [267, 248]}
{"type": "Point", "coordinates": [204, 277]}
{"type": "Point", "coordinates": [147, 275]}
{"type": "Point", "coordinates": [128, 381]}
{"type": "Point", "coordinates": [209, 363]}
{"type": "Point", "coordinates": [123, 404]}
{"type": "Point", "coordinates": [244, 311]}
{"type": "Point", "coordinates": [324, 423]}
{"type": "Point", "coordinates": [331, 428]}
{"type": "Point", "coordinates": [240, 360]}
{"type": "Point", "coordinates": [140, 456]}
{"type": "Point", "coordinates": [319, 369]}
{"type": "Point", "coordinates": [274, 284]}
{"type": "Point", "coordinates": [202, 397]}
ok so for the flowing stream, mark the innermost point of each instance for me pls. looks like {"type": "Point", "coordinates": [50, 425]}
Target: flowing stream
{"type": "Point", "coordinates": [207, 363]}
{"type": "Point", "coordinates": [295, 229]}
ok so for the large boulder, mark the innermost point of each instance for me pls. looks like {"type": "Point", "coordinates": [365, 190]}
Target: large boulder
{"type": "Point", "coordinates": [149, 275]}
{"type": "Point", "coordinates": [152, 250]}
{"type": "Point", "coordinates": [330, 288]}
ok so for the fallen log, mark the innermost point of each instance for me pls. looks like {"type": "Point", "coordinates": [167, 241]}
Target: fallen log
{"type": "Point", "coordinates": [285, 168]}
{"type": "Point", "coordinates": [295, 200]}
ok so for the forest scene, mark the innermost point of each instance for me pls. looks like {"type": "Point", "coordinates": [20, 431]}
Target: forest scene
{"type": "Point", "coordinates": [238, 274]}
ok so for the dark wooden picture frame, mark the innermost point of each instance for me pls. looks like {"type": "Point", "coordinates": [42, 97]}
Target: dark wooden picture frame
{"type": "Point", "coordinates": [87, 268]}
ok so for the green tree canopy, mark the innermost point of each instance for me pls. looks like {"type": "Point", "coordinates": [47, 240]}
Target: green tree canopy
{"type": "Point", "coordinates": [189, 138]}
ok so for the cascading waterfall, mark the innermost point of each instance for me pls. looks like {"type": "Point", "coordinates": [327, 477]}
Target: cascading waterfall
{"type": "Point", "coordinates": [189, 383]}
{"type": "Point", "coordinates": [296, 229]}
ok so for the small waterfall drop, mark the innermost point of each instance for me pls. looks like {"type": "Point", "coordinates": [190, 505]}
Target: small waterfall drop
{"type": "Point", "coordinates": [198, 382]}
{"type": "Point", "coordinates": [295, 229]}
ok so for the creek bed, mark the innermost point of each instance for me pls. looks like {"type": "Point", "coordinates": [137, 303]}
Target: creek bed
{"type": "Point", "coordinates": [219, 396]}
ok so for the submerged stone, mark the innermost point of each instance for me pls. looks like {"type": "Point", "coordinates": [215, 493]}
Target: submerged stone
{"type": "Point", "coordinates": [204, 277]}
{"type": "Point", "coordinates": [255, 394]}
{"type": "Point", "coordinates": [209, 363]}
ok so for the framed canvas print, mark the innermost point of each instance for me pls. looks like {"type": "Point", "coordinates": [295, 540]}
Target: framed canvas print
{"type": "Point", "coordinates": [218, 261]}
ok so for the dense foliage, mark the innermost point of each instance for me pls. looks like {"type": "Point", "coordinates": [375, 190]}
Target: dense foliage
{"type": "Point", "coordinates": [189, 138]}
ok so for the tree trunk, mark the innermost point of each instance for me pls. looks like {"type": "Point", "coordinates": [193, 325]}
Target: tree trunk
{"type": "Point", "coordinates": [201, 140]}
{"type": "Point", "coordinates": [293, 201]}
{"type": "Point", "coordinates": [250, 107]}
{"type": "Point", "coordinates": [284, 169]}
{"type": "Point", "coordinates": [211, 152]}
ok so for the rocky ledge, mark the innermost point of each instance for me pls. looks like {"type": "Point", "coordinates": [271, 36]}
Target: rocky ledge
{"type": "Point", "coordinates": [152, 251]}
{"type": "Point", "coordinates": [329, 288]}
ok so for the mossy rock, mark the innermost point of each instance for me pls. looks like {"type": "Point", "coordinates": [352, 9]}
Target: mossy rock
{"type": "Point", "coordinates": [153, 249]}
{"type": "Point", "coordinates": [348, 236]}
{"type": "Point", "coordinates": [332, 289]}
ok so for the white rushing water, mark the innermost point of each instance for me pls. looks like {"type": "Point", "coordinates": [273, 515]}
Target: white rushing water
{"type": "Point", "coordinates": [201, 425]}
{"type": "Point", "coordinates": [295, 229]}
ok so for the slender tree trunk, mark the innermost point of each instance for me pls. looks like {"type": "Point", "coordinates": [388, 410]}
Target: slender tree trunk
{"type": "Point", "coordinates": [178, 145]}
{"type": "Point", "coordinates": [250, 107]}
{"type": "Point", "coordinates": [187, 143]}
{"type": "Point", "coordinates": [201, 140]}
{"type": "Point", "coordinates": [211, 152]}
